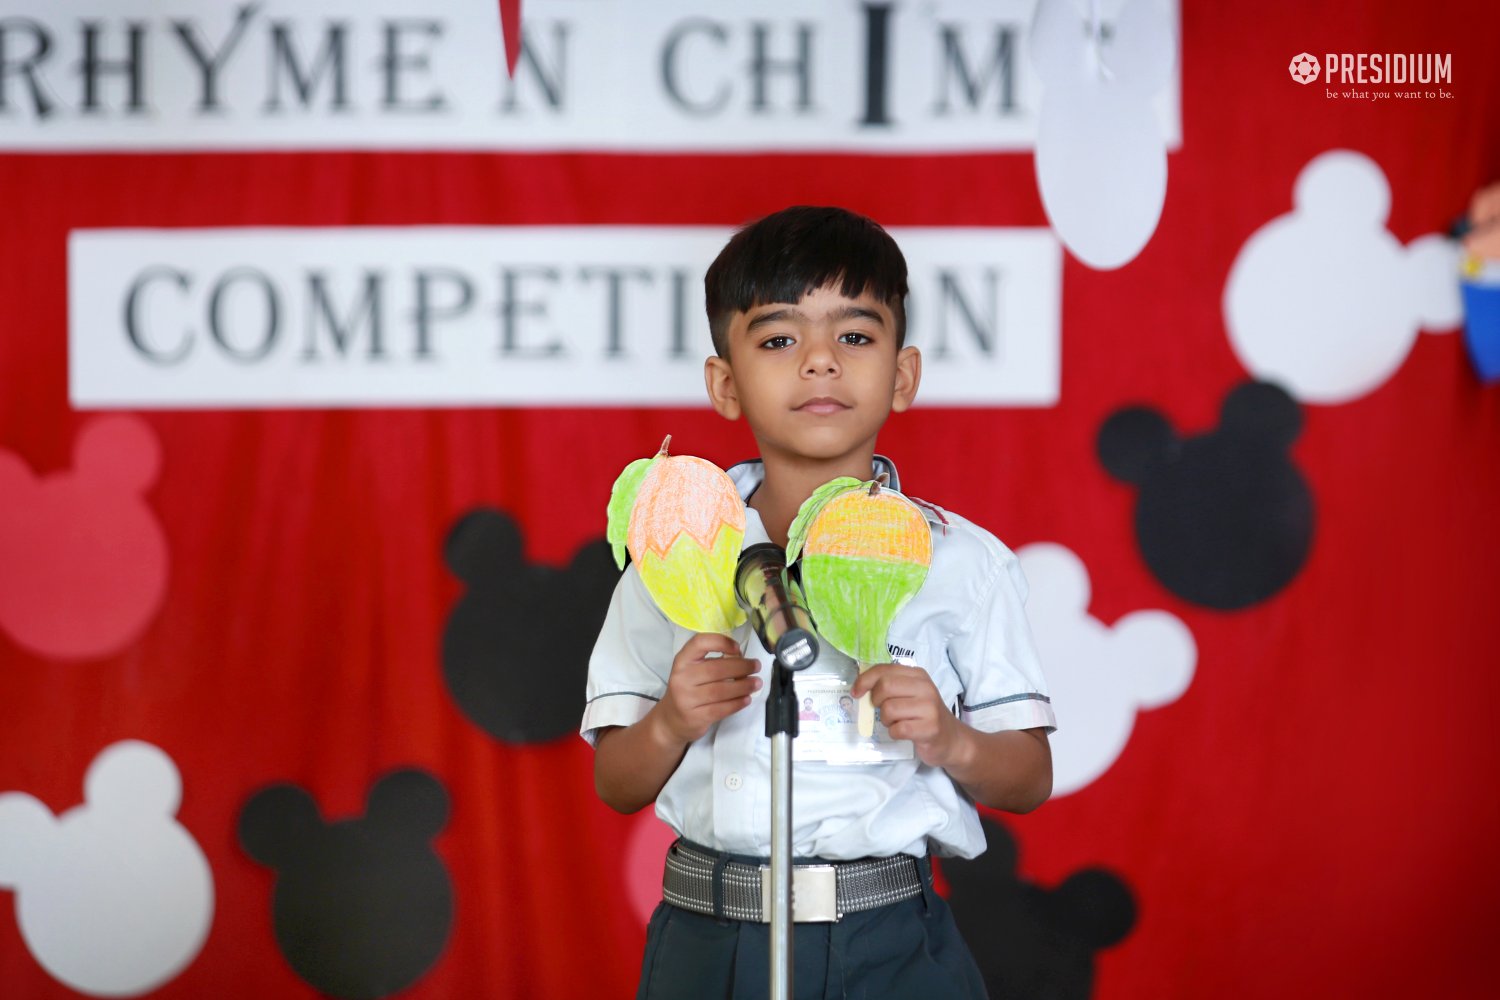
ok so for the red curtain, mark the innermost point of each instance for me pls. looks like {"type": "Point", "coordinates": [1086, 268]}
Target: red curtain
{"type": "Point", "coordinates": [1315, 816]}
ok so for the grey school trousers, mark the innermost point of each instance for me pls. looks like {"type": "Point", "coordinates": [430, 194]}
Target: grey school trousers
{"type": "Point", "coordinates": [904, 951]}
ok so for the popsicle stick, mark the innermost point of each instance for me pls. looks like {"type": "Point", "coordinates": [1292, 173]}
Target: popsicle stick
{"type": "Point", "coordinates": [866, 710]}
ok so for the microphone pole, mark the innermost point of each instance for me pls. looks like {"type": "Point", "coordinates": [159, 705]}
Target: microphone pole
{"type": "Point", "coordinates": [786, 631]}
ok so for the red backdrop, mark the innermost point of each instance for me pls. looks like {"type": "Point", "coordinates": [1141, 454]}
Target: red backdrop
{"type": "Point", "coordinates": [1315, 816]}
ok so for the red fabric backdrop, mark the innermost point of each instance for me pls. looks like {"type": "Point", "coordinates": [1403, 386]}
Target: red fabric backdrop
{"type": "Point", "coordinates": [1315, 816]}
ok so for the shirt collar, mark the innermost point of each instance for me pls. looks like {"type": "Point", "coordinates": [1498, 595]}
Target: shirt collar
{"type": "Point", "coordinates": [748, 475]}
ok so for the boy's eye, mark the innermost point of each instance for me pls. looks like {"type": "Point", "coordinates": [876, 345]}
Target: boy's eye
{"type": "Point", "coordinates": [854, 338]}
{"type": "Point", "coordinates": [777, 342]}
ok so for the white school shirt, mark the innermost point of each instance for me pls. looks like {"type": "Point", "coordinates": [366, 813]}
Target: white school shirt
{"type": "Point", "coordinates": [966, 627]}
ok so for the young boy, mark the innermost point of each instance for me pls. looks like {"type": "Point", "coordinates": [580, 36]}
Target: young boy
{"type": "Point", "coordinates": [807, 312]}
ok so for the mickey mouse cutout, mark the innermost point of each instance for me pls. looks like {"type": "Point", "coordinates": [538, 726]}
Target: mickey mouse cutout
{"type": "Point", "coordinates": [85, 559]}
{"type": "Point", "coordinates": [1325, 300]}
{"type": "Point", "coordinates": [516, 648]}
{"type": "Point", "coordinates": [362, 907]}
{"type": "Point", "coordinates": [643, 861]}
{"type": "Point", "coordinates": [1030, 941]}
{"type": "Point", "coordinates": [1224, 519]}
{"type": "Point", "coordinates": [1100, 676]}
{"type": "Point", "coordinates": [1101, 162]}
{"type": "Point", "coordinates": [113, 897]}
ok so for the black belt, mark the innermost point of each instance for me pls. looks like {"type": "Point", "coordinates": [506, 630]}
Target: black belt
{"type": "Point", "coordinates": [720, 885]}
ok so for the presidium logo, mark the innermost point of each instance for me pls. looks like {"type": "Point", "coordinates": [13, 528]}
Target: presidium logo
{"type": "Point", "coordinates": [1396, 76]}
{"type": "Point", "coordinates": [1305, 67]}
{"type": "Point", "coordinates": [1392, 68]}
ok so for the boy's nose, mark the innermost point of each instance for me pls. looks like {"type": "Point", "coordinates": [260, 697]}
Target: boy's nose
{"type": "Point", "coordinates": [820, 360]}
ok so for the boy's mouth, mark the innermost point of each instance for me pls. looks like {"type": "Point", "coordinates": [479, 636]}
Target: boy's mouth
{"type": "Point", "coordinates": [821, 404]}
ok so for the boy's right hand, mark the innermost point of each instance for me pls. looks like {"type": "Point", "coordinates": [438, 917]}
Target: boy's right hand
{"type": "Point", "coordinates": [702, 691]}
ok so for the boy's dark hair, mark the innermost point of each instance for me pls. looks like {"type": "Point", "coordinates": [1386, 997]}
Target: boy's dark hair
{"type": "Point", "coordinates": [783, 256]}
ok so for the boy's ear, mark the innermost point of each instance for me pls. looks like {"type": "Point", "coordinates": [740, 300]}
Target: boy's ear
{"type": "Point", "coordinates": [908, 377]}
{"type": "Point", "coordinates": [719, 378]}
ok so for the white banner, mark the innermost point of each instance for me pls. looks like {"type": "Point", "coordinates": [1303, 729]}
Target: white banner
{"type": "Point", "coordinates": [480, 316]}
{"type": "Point", "coordinates": [639, 75]}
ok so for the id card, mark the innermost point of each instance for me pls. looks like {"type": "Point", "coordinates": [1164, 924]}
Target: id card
{"type": "Point", "coordinates": [828, 726]}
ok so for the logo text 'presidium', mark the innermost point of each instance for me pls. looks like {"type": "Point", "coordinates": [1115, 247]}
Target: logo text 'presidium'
{"type": "Point", "coordinates": [1388, 67]}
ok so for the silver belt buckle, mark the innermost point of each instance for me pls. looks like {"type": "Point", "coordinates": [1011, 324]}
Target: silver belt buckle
{"type": "Point", "coordinates": [814, 894]}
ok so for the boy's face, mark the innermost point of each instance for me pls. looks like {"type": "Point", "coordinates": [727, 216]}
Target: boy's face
{"type": "Point", "coordinates": [815, 380]}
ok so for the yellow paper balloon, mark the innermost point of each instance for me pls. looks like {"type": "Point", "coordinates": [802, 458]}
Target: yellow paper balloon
{"type": "Point", "coordinates": [684, 524]}
{"type": "Point", "coordinates": [865, 554]}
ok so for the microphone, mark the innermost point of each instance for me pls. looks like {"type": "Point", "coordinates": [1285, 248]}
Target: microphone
{"type": "Point", "coordinates": [783, 625]}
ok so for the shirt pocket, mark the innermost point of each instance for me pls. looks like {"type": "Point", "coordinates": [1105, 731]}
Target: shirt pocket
{"type": "Point", "coordinates": [912, 651]}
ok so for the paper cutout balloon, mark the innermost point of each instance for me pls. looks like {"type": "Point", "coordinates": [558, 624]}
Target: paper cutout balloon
{"type": "Point", "coordinates": [1101, 159]}
{"type": "Point", "coordinates": [864, 553]}
{"type": "Point", "coordinates": [683, 522]}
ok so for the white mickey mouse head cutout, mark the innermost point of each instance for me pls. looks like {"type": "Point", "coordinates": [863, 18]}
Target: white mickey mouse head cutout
{"type": "Point", "coordinates": [113, 897]}
{"type": "Point", "coordinates": [1101, 162]}
{"type": "Point", "coordinates": [1099, 676]}
{"type": "Point", "coordinates": [1324, 300]}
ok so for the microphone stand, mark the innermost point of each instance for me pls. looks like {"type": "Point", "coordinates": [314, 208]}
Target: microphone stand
{"type": "Point", "coordinates": [781, 727]}
{"type": "Point", "coordinates": [786, 631]}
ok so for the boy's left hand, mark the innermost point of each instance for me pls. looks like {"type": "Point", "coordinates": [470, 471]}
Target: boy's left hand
{"type": "Point", "coordinates": [912, 709]}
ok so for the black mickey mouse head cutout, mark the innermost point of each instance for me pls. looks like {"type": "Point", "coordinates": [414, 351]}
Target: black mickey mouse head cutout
{"type": "Point", "coordinates": [362, 907]}
{"type": "Point", "coordinates": [1224, 519]}
{"type": "Point", "coordinates": [516, 648]}
{"type": "Point", "coordinates": [1030, 941]}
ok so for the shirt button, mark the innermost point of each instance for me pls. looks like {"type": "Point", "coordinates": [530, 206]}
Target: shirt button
{"type": "Point", "coordinates": [733, 782]}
